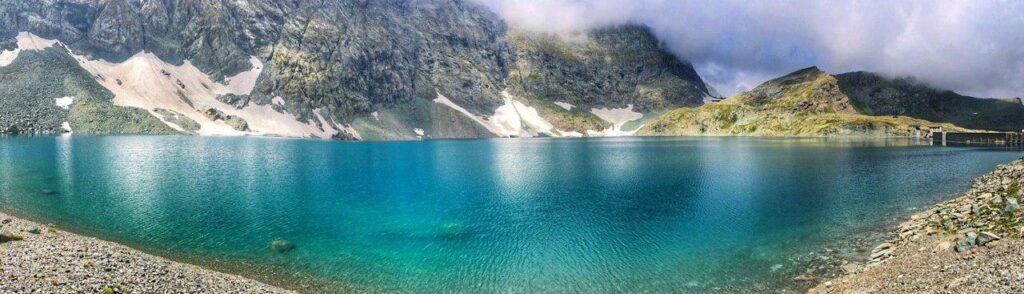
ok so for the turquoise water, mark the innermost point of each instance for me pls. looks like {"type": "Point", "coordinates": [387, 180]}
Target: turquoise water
{"type": "Point", "coordinates": [526, 215]}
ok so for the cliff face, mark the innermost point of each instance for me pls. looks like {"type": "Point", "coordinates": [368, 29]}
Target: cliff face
{"type": "Point", "coordinates": [389, 69]}
{"type": "Point", "coordinates": [808, 102]}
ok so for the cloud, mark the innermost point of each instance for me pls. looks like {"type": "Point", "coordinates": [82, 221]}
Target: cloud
{"type": "Point", "coordinates": [973, 47]}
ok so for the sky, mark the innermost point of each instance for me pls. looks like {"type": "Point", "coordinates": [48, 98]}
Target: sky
{"type": "Point", "coordinates": [972, 47]}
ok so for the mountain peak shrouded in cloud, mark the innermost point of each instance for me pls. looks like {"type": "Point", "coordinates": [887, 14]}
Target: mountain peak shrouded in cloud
{"type": "Point", "coordinates": [972, 47]}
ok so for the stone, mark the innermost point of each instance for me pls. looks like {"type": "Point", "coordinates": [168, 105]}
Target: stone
{"type": "Point", "coordinates": [963, 245]}
{"type": "Point", "coordinates": [33, 230]}
{"type": "Point", "coordinates": [8, 237]}
{"type": "Point", "coordinates": [852, 268]}
{"type": "Point", "coordinates": [967, 242]}
{"type": "Point", "coordinates": [986, 237]}
{"type": "Point", "coordinates": [1011, 206]}
{"type": "Point", "coordinates": [803, 278]}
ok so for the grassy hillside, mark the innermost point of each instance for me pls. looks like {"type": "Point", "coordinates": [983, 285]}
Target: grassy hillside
{"type": "Point", "coordinates": [808, 102]}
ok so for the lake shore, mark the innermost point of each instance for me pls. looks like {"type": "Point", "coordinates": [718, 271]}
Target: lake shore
{"type": "Point", "coordinates": [971, 243]}
{"type": "Point", "coordinates": [39, 259]}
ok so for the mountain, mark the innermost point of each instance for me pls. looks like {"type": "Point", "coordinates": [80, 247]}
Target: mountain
{"type": "Point", "coordinates": [874, 94]}
{"type": "Point", "coordinates": [808, 102]}
{"type": "Point", "coordinates": [343, 69]}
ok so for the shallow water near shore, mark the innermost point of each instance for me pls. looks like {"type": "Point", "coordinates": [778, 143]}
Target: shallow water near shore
{"type": "Point", "coordinates": [522, 215]}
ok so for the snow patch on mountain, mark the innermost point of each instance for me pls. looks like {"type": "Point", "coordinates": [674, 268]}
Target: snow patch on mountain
{"type": "Point", "coordinates": [64, 102]}
{"type": "Point", "coordinates": [564, 105]}
{"type": "Point", "coordinates": [511, 119]}
{"type": "Point", "coordinates": [145, 81]}
{"type": "Point", "coordinates": [618, 117]}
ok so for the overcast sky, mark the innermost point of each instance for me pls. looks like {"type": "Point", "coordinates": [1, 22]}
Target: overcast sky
{"type": "Point", "coordinates": [973, 47]}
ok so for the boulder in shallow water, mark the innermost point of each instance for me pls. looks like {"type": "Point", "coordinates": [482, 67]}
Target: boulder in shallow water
{"type": "Point", "coordinates": [454, 231]}
{"type": "Point", "coordinates": [281, 246]}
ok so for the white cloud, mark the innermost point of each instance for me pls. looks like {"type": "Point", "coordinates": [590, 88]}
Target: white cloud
{"type": "Point", "coordinates": [973, 47]}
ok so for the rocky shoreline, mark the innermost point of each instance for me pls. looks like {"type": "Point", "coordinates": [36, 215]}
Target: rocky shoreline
{"type": "Point", "coordinates": [43, 259]}
{"type": "Point", "coordinates": [971, 243]}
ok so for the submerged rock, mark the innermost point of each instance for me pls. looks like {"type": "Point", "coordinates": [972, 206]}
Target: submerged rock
{"type": "Point", "coordinates": [33, 230]}
{"type": "Point", "coordinates": [281, 246]}
{"type": "Point", "coordinates": [454, 231]}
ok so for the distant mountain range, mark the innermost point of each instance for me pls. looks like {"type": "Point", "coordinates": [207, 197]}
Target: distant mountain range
{"type": "Point", "coordinates": [405, 70]}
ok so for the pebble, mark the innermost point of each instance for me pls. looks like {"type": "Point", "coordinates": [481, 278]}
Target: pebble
{"type": "Point", "coordinates": [61, 262]}
{"type": "Point", "coordinates": [984, 216]}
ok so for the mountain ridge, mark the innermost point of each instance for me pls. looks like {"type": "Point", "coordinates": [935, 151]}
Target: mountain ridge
{"type": "Point", "coordinates": [373, 67]}
{"type": "Point", "coordinates": [408, 70]}
{"type": "Point", "coordinates": [806, 103]}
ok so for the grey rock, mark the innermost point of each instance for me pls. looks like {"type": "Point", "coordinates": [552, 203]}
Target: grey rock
{"type": "Point", "coordinates": [176, 118]}
{"type": "Point", "coordinates": [986, 237]}
{"type": "Point", "coordinates": [963, 245]}
{"type": "Point", "coordinates": [33, 230]}
{"type": "Point", "coordinates": [1011, 206]}
{"type": "Point", "coordinates": [235, 122]}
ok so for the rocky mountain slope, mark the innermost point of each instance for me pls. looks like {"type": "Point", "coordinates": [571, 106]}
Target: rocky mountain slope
{"type": "Point", "coordinates": [808, 102]}
{"type": "Point", "coordinates": [346, 69]}
{"type": "Point", "coordinates": [44, 90]}
{"type": "Point", "coordinates": [873, 94]}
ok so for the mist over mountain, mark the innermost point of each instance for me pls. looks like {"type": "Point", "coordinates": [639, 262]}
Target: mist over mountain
{"type": "Point", "coordinates": [972, 47]}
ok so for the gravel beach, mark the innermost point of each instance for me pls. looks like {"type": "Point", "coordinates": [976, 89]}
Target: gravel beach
{"type": "Point", "coordinates": [970, 244]}
{"type": "Point", "coordinates": [47, 260]}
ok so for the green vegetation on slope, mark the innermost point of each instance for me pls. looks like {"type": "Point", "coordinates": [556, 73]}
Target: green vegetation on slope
{"type": "Point", "coordinates": [874, 94]}
{"type": "Point", "coordinates": [805, 103]}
